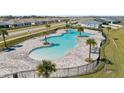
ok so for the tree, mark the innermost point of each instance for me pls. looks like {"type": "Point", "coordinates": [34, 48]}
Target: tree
{"type": "Point", "coordinates": [67, 26]}
{"type": "Point", "coordinates": [90, 42]}
{"type": "Point", "coordinates": [46, 68]}
{"type": "Point", "coordinates": [3, 33]}
{"type": "Point", "coordinates": [80, 29]}
{"type": "Point", "coordinates": [44, 34]}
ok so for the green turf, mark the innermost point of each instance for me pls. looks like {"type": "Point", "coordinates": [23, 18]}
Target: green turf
{"type": "Point", "coordinates": [115, 53]}
{"type": "Point", "coordinates": [23, 37]}
{"type": "Point", "coordinates": [26, 33]}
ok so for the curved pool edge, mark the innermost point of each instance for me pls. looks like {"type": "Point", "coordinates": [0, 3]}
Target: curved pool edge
{"type": "Point", "coordinates": [26, 60]}
{"type": "Point", "coordinates": [59, 35]}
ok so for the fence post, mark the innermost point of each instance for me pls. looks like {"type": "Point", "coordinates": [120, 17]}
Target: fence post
{"type": "Point", "coordinates": [93, 64]}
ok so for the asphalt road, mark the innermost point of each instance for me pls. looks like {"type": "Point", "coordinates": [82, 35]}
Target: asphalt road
{"type": "Point", "coordinates": [30, 30]}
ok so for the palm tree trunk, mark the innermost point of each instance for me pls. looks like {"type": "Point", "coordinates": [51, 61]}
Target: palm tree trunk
{"type": "Point", "coordinates": [45, 39]}
{"type": "Point", "coordinates": [4, 39]}
{"type": "Point", "coordinates": [90, 52]}
{"type": "Point", "coordinates": [46, 75]}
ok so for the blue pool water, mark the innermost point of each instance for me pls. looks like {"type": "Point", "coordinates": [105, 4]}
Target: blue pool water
{"type": "Point", "coordinates": [61, 46]}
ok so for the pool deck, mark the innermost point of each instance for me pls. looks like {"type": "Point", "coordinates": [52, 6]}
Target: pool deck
{"type": "Point", "coordinates": [19, 60]}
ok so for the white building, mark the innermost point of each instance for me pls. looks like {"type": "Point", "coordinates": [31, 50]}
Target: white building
{"type": "Point", "coordinates": [91, 24]}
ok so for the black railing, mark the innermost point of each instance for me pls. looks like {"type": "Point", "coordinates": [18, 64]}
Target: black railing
{"type": "Point", "coordinates": [60, 72]}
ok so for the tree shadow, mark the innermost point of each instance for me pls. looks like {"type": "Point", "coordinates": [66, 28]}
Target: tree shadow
{"type": "Point", "coordinates": [106, 61]}
{"type": "Point", "coordinates": [115, 38]}
{"type": "Point", "coordinates": [9, 49]}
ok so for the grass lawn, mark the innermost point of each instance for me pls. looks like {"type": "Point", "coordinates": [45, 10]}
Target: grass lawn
{"type": "Point", "coordinates": [25, 36]}
{"type": "Point", "coordinates": [114, 51]}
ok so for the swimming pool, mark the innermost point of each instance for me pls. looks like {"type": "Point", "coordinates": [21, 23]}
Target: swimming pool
{"type": "Point", "coordinates": [61, 46]}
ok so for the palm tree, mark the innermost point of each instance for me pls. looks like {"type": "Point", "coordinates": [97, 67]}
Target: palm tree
{"type": "Point", "coordinates": [67, 23]}
{"type": "Point", "coordinates": [3, 33]}
{"type": "Point", "coordinates": [44, 34]}
{"type": "Point", "coordinates": [46, 68]}
{"type": "Point", "coordinates": [90, 42]}
{"type": "Point", "coordinates": [67, 26]}
{"type": "Point", "coordinates": [80, 29]}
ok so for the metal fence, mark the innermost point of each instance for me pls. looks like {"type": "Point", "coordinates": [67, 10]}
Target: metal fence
{"type": "Point", "coordinates": [61, 72]}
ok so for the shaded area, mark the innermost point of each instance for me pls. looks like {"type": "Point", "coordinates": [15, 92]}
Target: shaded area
{"type": "Point", "coordinates": [9, 49]}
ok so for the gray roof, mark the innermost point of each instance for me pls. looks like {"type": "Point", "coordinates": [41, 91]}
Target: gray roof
{"type": "Point", "coordinates": [103, 20]}
{"type": "Point", "coordinates": [22, 21]}
{"type": "Point", "coordinates": [110, 19]}
{"type": "Point", "coordinates": [93, 22]}
{"type": "Point", "coordinates": [3, 23]}
{"type": "Point", "coordinates": [113, 19]}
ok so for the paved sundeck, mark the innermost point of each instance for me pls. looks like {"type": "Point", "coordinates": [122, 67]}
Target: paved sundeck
{"type": "Point", "coordinates": [18, 59]}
